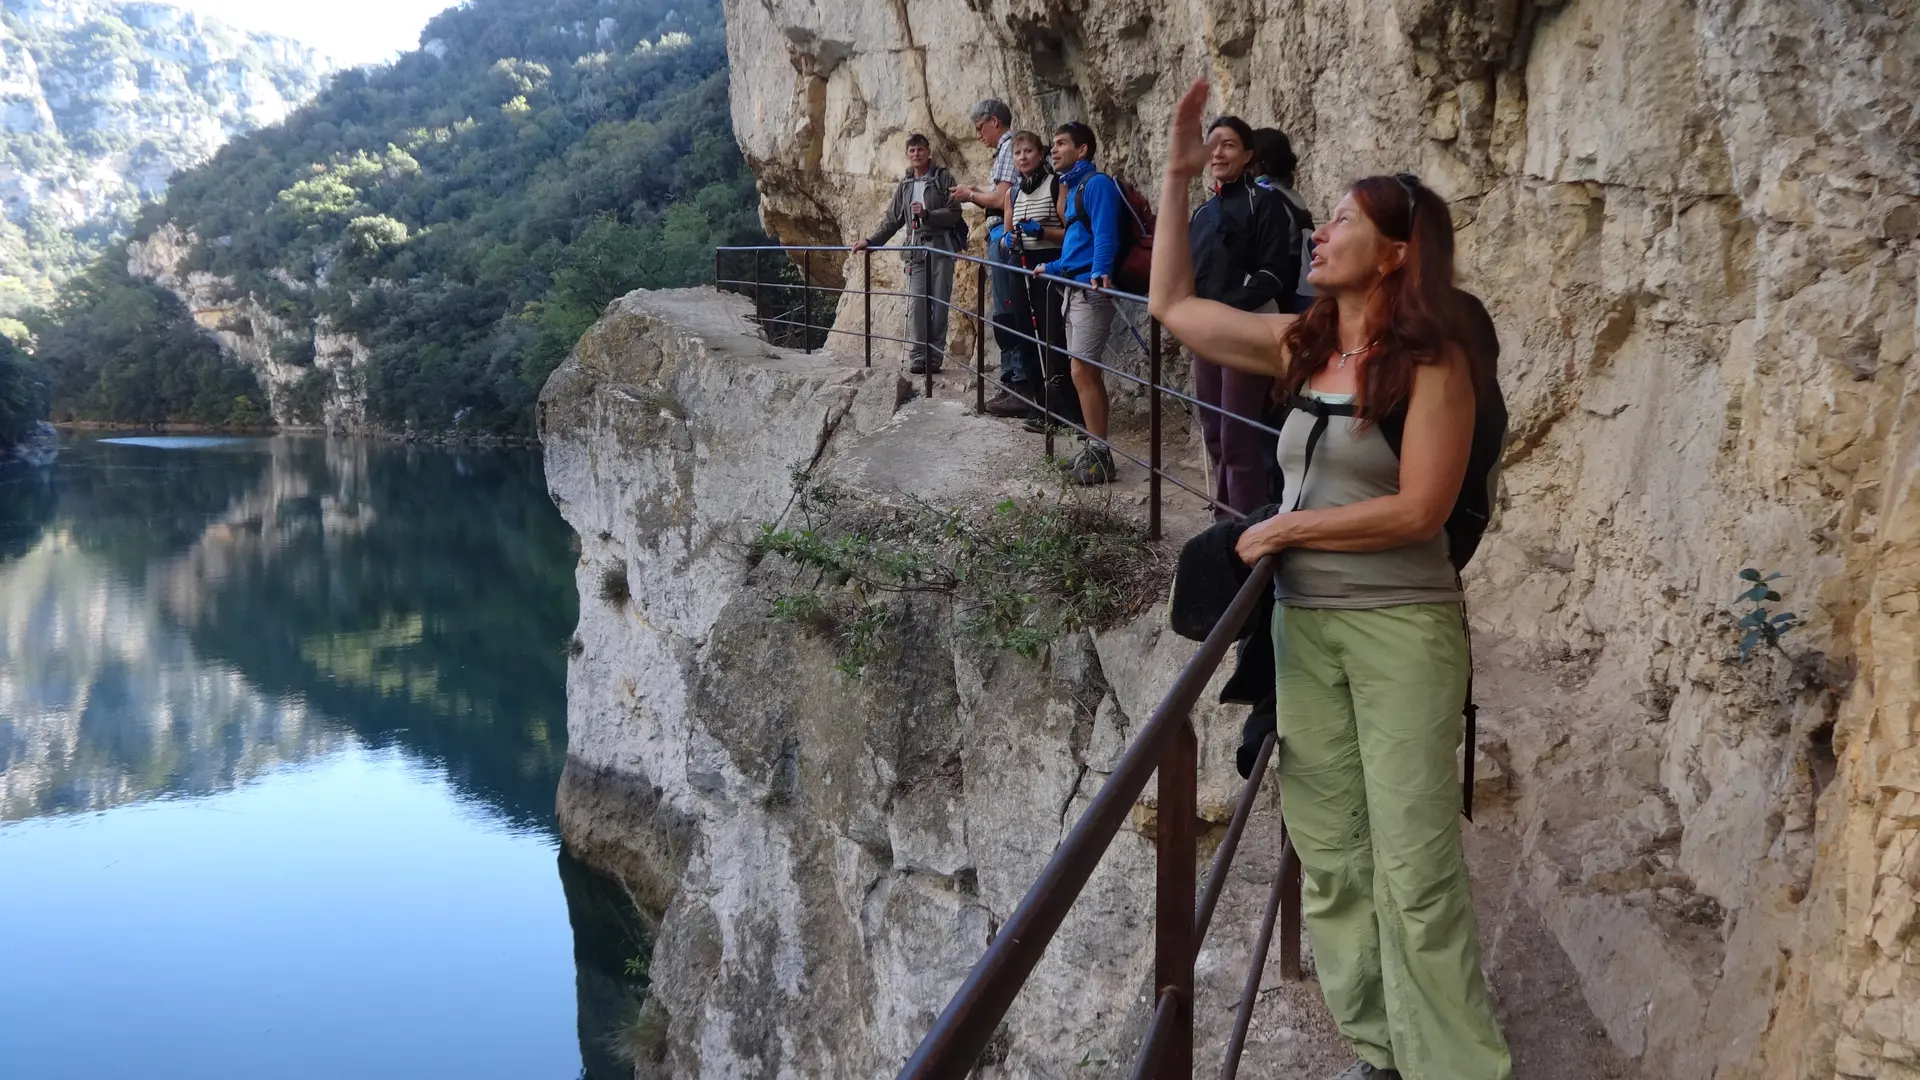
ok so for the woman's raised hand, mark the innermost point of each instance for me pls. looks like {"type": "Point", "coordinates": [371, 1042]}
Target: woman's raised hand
{"type": "Point", "coordinates": [1186, 148]}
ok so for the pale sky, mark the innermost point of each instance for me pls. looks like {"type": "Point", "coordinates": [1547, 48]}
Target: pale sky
{"type": "Point", "coordinates": [350, 31]}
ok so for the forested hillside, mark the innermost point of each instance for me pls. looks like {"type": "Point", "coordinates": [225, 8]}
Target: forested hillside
{"type": "Point", "coordinates": [102, 101]}
{"type": "Point", "coordinates": [464, 212]}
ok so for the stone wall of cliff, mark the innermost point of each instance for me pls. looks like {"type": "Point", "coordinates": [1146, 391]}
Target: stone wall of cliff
{"type": "Point", "coordinates": [333, 384]}
{"type": "Point", "coordinates": [1695, 224]}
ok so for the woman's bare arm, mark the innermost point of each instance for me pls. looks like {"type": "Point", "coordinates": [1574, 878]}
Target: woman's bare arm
{"type": "Point", "coordinates": [1433, 464]}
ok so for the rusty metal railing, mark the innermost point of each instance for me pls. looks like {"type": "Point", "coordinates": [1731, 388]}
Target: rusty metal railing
{"type": "Point", "coordinates": [814, 335]}
{"type": "Point", "coordinates": [1165, 747]}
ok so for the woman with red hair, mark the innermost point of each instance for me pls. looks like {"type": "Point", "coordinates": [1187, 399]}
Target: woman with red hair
{"type": "Point", "coordinates": [1369, 636]}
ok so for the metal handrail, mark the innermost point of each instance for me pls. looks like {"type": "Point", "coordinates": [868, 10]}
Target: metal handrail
{"type": "Point", "coordinates": [1165, 746]}
{"type": "Point", "coordinates": [1154, 383]}
{"type": "Point", "coordinates": [961, 1032]}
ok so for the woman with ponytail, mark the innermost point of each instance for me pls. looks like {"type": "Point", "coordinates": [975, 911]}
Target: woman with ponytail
{"type": "Point", "coordinates": [1368, 633]}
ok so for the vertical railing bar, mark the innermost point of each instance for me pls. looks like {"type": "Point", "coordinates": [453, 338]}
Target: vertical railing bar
{"type": "Point", "coordinates": [926, 318]}
{"type": "Point", "coordinates": [1250, 990]}
{"type": "Point", "coordinates": [1147, 1065]}
{"type": "Point", "coordinates": [980, 338]}
{"type": "Point", "coordinates": [1173, 895]}
{"type": "Point", "coordinates": [1047, 389]}
{"type": "Point", "coordinates": [806, 300]}
{"type": "Point", "coordinates": [1048, 360]}
{"type": "Point", "coordinates": [759, 303]}
{"type": "Point", "coordinates": [1223, 858]}
{"type": "Point", "coordinates": [868, 290]}
{"type": "Point", "coordinates": [1153, 413]}
{"type": "Point", "coordinates": [1290, 912]}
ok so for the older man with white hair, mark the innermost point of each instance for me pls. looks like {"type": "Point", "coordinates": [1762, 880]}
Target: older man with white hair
{"type": "Point", "coordinates": [1019, 365]}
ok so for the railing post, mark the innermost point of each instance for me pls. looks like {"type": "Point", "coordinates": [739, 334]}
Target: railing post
{"type": "Point", "coordinates": [806, 300]}
{"type": "Point", "coordinates": [1173, 896]}
{"type": "Point", "coordinates": [1153, 421]}
{"type": "Point", "coordinates": [868, 291]}
{"type": "Point", "coordinates": [926, 318]}
{"type": "Point", "coordinates": [980, 338]}
{"type": "Point", "coordinates": [1289, 913]}
{"type": "Point", "coordinates": [759, 305]}
{"type": "Point", "coordinates": [1047, 352]}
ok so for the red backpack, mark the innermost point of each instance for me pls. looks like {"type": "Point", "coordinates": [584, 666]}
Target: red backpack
{"type": "Point", "coordinates": [1134, 264]}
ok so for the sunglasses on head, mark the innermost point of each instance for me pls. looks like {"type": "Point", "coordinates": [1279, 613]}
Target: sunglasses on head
{"type": "Point", "coordinates": [1410, 184]}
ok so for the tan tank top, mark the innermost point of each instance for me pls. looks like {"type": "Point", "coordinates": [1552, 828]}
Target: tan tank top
{"type": "Point", "coordinates": [1351, 463]}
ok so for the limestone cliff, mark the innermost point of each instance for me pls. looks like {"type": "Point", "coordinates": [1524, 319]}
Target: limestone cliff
{"type": "Point", "coordinates": [329, 389]}
{"type": "Point", "coordinates": [101, 102]}
{"type": "Point", "coordinates": [1695, 224]}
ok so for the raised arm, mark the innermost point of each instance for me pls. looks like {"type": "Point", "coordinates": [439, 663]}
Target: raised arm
{"type": "Point", "coordinates": [1224, 335]}
{"type": "Point", "coordinates": [1433, 464]}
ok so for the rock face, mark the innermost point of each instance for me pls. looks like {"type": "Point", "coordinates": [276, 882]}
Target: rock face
{"type": "Point", "coordinates": [331, 389]}
{"type": "Point", "coordinates": [1695, 225]}
{"type": "Point", "coordinates": [101, 102]}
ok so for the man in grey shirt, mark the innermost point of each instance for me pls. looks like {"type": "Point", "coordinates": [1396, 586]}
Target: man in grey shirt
{"type": "Point", "coordinates": [923, 204]}
{"type": "Point", "coordinates": [993, 122]}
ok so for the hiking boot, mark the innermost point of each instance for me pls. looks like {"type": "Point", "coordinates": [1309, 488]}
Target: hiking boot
{"type": "Point", "coordinates": [919, 366]}
{"type": "Point", "coordinates": [1093, 466]}
{"type": "Point", "coordinates": [1042, 424]}
{"type": "Point", "coordinates": [1364, 1071]}
{"type": "Point", "coordinates": [1006, 404]}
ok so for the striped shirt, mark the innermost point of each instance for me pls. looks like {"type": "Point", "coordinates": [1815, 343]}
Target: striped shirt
{"type": "Point", "coordinates": [1039, 205]}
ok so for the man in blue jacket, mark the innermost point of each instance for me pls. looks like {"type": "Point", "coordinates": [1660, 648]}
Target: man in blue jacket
{"type": "Point", "coordinates": [1093, 207]}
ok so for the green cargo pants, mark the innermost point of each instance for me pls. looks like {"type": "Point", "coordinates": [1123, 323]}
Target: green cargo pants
{"type": "Point", "coordinates": [1369, 717]}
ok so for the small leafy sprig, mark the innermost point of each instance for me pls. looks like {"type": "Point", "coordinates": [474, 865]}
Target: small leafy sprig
{"type": "Point", "coordinates": [1763, 626]}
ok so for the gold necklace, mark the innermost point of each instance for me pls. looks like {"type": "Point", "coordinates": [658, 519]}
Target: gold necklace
{"type": "Point", "coordinates": [1351, 353]}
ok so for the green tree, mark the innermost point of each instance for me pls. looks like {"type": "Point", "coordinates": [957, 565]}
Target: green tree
{"type": "Point", "coordinates": [23, 394]}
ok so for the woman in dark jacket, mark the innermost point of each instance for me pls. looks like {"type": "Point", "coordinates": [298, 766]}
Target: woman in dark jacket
{"type": "Point", "coordinates": [1239, 242]}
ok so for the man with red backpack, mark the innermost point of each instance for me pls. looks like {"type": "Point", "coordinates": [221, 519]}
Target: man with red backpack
{"type": "Point", "coordinates": [1094, 208]}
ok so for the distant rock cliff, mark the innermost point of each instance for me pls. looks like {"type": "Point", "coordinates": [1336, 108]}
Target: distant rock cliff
{"type": "Point", "coordinates": [101, 102]}
{"type": "Point", "coordinates": [1695, 224]}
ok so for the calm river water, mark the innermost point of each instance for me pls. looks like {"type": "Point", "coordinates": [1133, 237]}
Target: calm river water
{"type": "Point", "coordinates": [280, 726]}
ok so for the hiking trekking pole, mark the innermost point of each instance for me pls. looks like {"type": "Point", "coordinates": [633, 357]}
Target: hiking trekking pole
{"type": "Point", "coordinates": [1043, 345]}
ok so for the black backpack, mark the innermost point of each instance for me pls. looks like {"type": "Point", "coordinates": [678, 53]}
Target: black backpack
{"type": "Point", "coordinates": [1299, 248]}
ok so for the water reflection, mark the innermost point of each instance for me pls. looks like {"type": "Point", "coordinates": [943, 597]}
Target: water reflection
{"type": "Point", "coordinates": [184, 622]}
{"type": "Point", "coordinates": [415, 597]}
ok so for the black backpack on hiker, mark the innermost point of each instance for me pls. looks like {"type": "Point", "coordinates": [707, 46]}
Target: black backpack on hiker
{"type": "Point", "coordinates": [1299, 247]}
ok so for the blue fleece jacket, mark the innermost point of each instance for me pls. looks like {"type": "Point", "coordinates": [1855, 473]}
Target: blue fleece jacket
{"type": "Point", "coordinates": [1095, 210]}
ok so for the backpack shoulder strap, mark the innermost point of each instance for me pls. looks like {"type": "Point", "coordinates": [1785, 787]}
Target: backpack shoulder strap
{"type": "Point", "coordinates": [1321, 411]}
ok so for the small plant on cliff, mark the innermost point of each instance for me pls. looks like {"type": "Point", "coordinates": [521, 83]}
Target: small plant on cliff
{"type": "Point", "coordinates": [1762, 625]}
{"type": "Point", "coordinates": [1021, 574]}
